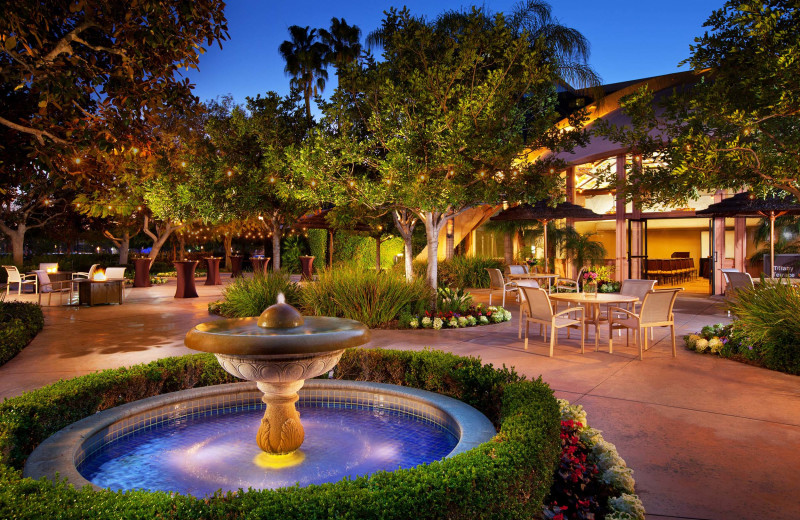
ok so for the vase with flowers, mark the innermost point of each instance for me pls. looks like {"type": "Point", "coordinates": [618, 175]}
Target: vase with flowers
{"type": "Point", "coordinates": [590, 284]}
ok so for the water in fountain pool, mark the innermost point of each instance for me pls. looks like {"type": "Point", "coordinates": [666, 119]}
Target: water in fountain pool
{"type": "Point", "coordinates": [202, 454]}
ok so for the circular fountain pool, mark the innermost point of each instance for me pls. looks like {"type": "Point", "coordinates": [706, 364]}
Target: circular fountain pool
{"type": "Point", "coordinates": [201, 440]}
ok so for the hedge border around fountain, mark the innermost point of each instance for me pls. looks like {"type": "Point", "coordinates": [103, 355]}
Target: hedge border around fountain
{"type": "Point", "coordinates": [507, 477]}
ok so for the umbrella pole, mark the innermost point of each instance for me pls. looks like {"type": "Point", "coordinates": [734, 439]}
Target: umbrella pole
{"type": "Point", "coordinates": [546, 265]}
{"type": "Point", "coordinates": [772, 244]}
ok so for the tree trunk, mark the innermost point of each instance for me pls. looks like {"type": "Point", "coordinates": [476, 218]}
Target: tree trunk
{"type": "Point", "coordinates": [508, 248]}
{"type": "Point", "coordinates": [227, 246]}
{"type": "Point", "coordinates": [405, 221]}
{"type": "Point", "coordinates": [124, 248]}
{"type": "Point", "coordinates": [159, 237]}
{"type": "Point", "coordinates": [378, 254]}
{"type": "Point", "coordinates": [17, 237]}
{"type": "Point", "coordinates": [276, 248]}
{"type": "Point", "coordinates": [433, 226]}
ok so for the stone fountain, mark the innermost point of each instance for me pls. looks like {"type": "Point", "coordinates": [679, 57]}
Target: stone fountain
{"type": "Point", "coordinates": [279, 350]}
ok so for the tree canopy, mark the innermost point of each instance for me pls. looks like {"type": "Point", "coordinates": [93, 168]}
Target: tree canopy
{"type": "Point", "coordinates": [86, 76]}
{"type": "Point", "coordinates": [442, 123]}
{"type": "Point", "coordinates": [739, 126]}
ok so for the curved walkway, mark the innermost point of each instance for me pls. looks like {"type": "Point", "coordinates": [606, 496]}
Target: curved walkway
{"type": "Point", "coordinates": [708, 438]}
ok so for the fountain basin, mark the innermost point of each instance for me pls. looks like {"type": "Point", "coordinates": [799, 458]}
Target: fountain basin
{"type": "Point", "coordinates": [69, 448]}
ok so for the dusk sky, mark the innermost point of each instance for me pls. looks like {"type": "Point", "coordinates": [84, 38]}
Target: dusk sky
{"type": "Point", "coordinates": [630, 38]}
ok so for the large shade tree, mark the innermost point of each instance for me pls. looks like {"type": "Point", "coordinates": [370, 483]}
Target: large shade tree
{"type": "Point", "coordinates": [247, 176]}
{"type": "Point", "coordinates": [738, 126]}
{"type": "Point", "coordinates": [84, 77]}
{"type": "Point", "coordinates": [442, 123]}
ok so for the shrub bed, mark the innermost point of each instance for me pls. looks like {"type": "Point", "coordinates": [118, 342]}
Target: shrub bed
{"type": "Point", "coordinates": [765, 331]}
{"type": "Point", "coordinates": [20, 322]}
{"type": "Point", "coordinates": [373, 298]}
{"type": "Point", "coordinates": [462, 271]}
{"type": "Point", "coordinates": [247, 297]}
{"type": "Point", "coordinates": [508, 477]}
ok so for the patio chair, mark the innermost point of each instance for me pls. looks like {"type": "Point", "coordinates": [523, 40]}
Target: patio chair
{"type": "Point", "coordinates": [497, 282]}
{"type": "Point", "coordinates": [14, 276]}
{"type": "Point", "coordinates": [85, 276]}
{"type": "Point", "coordinates": [735, 281]}
{"type": "Point", "coordinates": [523, 307]}
{"type": "Point", "coordinates": [638, 288]}
{"type": "Point", "coordinates": [656, 311]}
{"type": "Point", "coordinates": [49, 288]}
{"type": "Point", "coordinates": [117, 273]}
{"type": "Point", "coordinates": [516, 269]}
{"type": "Point", "coordinates": [568, 284]}
{"type": "Point", "coordinates": [540, 310]}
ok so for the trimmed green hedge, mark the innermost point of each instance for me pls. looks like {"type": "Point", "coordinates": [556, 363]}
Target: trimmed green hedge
{"type": "Point", "coordinates": [507, 477]}
{"type": "Point", "coordinates": [20, 322]}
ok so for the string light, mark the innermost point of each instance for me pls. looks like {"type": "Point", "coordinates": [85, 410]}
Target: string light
{"type": "Point", "coordinates": [230, 173]}
{"type": "Point", "coordinates": [272, 179]}
{"type": "Point", "coordinates": [183, 164]}
{"type": "Point", "coordinates": [77, 160]}
{"type": "Point", "coordinates": [352, 183]}
{"type": "Point", "coordinates": [313, 183]}
{"type": "Point", "coordinates": [135, 150]}
{"type": "Point", "coordinates": [422, 177]}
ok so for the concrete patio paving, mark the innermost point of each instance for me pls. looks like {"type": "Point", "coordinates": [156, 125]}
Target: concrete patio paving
{"type": "Point", "coordinates": [707, 438]}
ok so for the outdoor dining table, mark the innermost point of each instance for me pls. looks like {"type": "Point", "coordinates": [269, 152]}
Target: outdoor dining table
{"type": "Point", "coordinates": [186, 287]}
{"type": "Point", "coordinates": [592, 304]}
{"type": "Point", "coordinates": [550, 277]}
{"type": "Point", "coordinates": [212, 275]}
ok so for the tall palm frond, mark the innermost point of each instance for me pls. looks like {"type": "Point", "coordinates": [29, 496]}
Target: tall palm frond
{"type": "Point", "coordinates": [305, 62]}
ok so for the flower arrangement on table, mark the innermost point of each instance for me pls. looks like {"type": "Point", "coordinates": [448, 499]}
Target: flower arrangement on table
{"type": "Point", "coordinates": [589, 279]}
{"type": "Point", "coordinates": [475, 315]}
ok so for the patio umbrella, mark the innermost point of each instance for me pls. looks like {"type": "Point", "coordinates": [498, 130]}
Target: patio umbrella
{"type": "Point", "coordinates": [543, 212]}
{"type": "Point", "coordinates": [746, 204]}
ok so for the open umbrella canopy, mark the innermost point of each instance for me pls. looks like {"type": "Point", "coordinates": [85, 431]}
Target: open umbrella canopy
{"type": "Point", "coordinates": [747, 204]}
{"type": "Point", "coordinates": [543, 212]}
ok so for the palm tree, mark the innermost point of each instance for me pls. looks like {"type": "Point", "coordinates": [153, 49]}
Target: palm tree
{"type": "Point", "coordinates": [570, 48]}
{"type": "Point", "coordinates": [582, 249]}
{"type": "Point", "coordinates": [305, 62]}
{"type": "Point", "coordinates": [787, 238]}
{"type": "Point", "coordinates": [343, 42]}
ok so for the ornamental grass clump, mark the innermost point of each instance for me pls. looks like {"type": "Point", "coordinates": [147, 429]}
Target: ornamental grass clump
{"type": "Point", "coordinates": [248, 297]}
{"type": "Point", "coordinates": [768, 317]}
{"type": "Point", "coordinates": [373, 298]}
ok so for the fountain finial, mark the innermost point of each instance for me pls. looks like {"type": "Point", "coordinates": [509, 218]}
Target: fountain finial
{"type": "Point", "coordinates": [280, 316]}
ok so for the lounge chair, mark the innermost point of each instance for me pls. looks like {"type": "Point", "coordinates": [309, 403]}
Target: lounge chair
{"type": "Point", "coordinates": [49, 288]}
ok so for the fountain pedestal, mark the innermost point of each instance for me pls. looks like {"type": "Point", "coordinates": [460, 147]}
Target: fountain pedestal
{"type": "Point", "coordinates": [279, 350]}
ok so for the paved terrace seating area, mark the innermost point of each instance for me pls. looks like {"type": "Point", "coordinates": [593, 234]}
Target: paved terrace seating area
{"type": "Point", "coordinates": [708, 438]}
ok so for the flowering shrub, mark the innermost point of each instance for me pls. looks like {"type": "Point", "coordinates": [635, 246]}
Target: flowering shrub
{"type": "Point", "coordinates": [474, 315]}
{"type": "Point", "coordinates": [591, 480]}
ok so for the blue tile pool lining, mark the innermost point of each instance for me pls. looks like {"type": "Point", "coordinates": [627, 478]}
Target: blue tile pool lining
{"type": "Point", "coordinates": [67, 449]}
